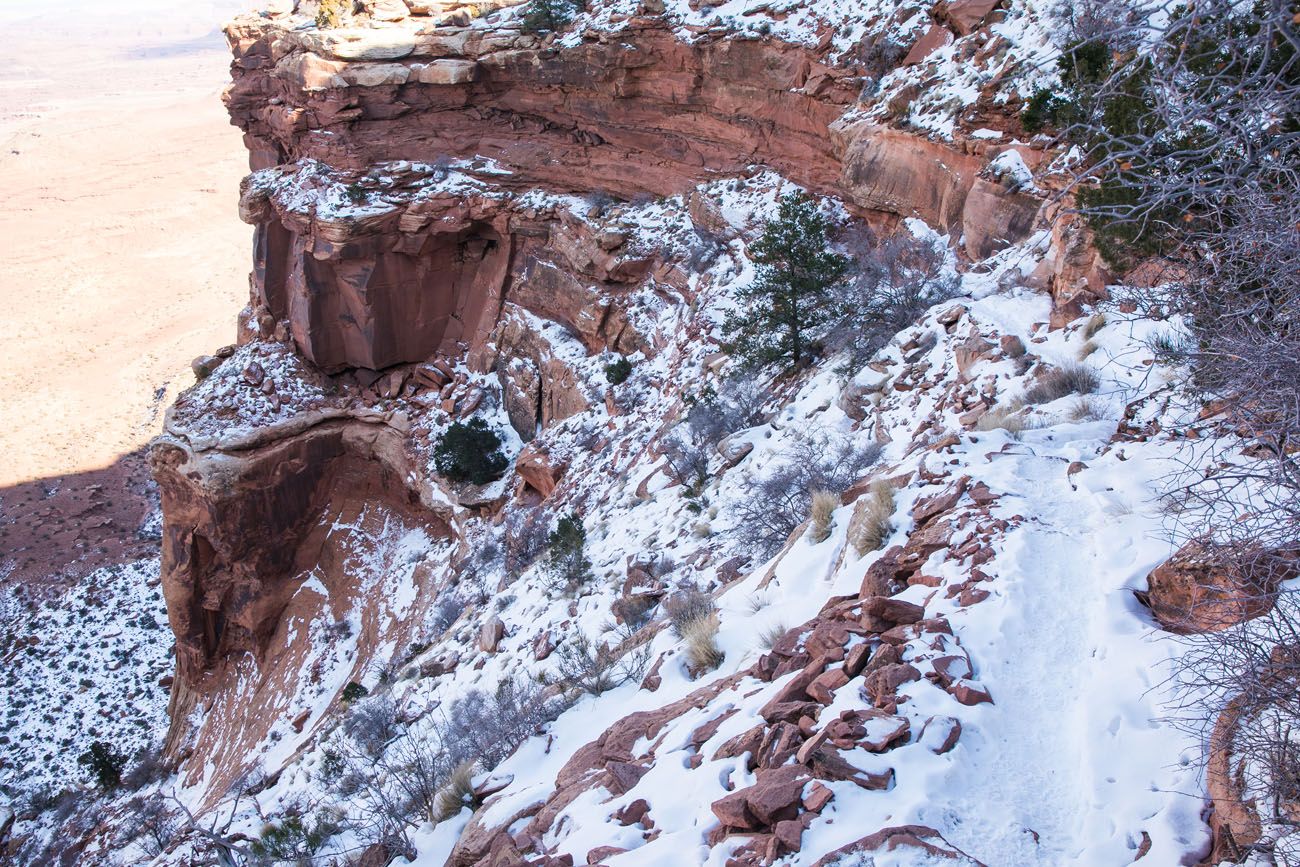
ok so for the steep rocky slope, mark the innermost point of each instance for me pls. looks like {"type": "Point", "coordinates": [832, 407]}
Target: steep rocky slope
{"type": "Point", "coordinates": [454, 218]}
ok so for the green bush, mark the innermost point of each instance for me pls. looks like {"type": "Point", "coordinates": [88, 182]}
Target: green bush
{"type": "Point", "coordinates": [470, 452]}
{"type": "Point", "coordinates": [353, 692]}
{"type": "Point", "coordinates": [566, 557]}
{"type": "Point", "coordinates": [617, 372]}
{"type": "Point", "coordinates": [293, 840]}
{"type": "Point", "coordinates": [104, 763]}
{"type": "Point", "coordinates": [547, 16]}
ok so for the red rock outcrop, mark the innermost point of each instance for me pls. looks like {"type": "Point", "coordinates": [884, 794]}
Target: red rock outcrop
{"type": "Point", "coordinates": [794, 747]}
{"type": "Point", "coordinates": [1207, 589]}
{"type": "Point", "coordinates": [639, 112]}
{"type": "Point", "coordinates": [407, 202]}
{"type": "Point", "coordinates": [239, 524]}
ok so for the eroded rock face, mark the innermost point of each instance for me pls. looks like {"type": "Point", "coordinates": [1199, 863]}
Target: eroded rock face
{"type": "Point", "coordinates": [636, 113]}
{"type": "Point", "coordinates": [239, 524]}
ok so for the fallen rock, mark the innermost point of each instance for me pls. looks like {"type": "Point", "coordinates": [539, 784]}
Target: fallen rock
{"type": "Point", "coordinates": [1203, 589]}
{"type": "Point", "coordinates": [905, 844]}
{"type": "Point", "coordinates": [490, 635]}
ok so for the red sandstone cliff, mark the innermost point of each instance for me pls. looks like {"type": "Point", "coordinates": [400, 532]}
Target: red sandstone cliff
{"type": "Point", "coordinates": [419, 254]}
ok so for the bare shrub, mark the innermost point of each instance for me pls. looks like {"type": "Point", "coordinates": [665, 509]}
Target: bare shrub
{"type": "Point", "coordinates": [446, 611]}
{"type": "Point", "coordinates": [151, 822]}
{"type": "Point", "coordinates": [372, 724]}
{"type": "Point", "coordinates": [1085, 410]}
{"type": "Point", "coordinates": [895, 281]}
{"type": "Point", "coordinates": [488, 727]}
{"type": "Point", "coordinates": [712, 417]}
{"type": "Point", "coordinates": [872, 520]}
{"type": "Point", "coordinates": [147, 768]}
{"type": "Point", "coordinates": [688, 459]}
{"type": "Point", "coordinates": [1061, 382]}
{"type": "Point", "coordinates": [526, 531]}
{"type": "Point", "coordinates": [822, 509]}
{"type": "Point", "coordinates": [1208, 181]}
{"type": "Point", "coordinates": [586, 666]}
{"type": "Point", "coordinates": [686, 606]}
{"type": "Point", "coordinates": [773, 505]}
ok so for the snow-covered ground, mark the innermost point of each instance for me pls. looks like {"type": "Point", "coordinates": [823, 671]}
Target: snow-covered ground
{"type": "Point", "coordinates": [81, 667]}
{"type": "Point", "coordinates": [1070, 764]}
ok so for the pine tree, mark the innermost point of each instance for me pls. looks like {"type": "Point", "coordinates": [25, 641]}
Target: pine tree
{"type": "Point", "coordinates": [470, 452]}
{"type": "Point", "coordinates": [567, 563]}
{"type": "Point", "coordinates": [793, 299]}
{"type": "Point", "coordinates": [547, 16]}
{"type": "Point", "coordinates": [104, 763]}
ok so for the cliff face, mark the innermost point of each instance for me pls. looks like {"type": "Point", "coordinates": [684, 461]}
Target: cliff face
{"type": "Point", "coordinates": [427, 247]}
{"type": "Point", "coordinates": [379, 281]}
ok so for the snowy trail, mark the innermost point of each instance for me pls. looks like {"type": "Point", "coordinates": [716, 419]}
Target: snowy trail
{"type": "Point", "coordinates": [1071, 743]}
{"type": "Point", "coordinates": [1024, 773]}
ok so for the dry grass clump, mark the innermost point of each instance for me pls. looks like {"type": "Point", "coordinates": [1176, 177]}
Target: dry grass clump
{"type": "Point", "coordinates": [457, 793]}
{"type": "Point", "coordinates": [1094, 325]}
{"type": "Point", "coordinates": [1087, 349]}
{"type": "Point", "coordinates": [694, 618]}
{"type": "Point", "coordinates": [1061, 382]}
{"type": "Point", "coordinates": [1007, 418]}
{"type": "Point", "coordinates": [771, 635]}
{"type": "Point", "coordinates": [701, 637]}
{"type": "Point", "coordinates": [824, 504]}
{"type": "Point", "coordinates": [687, 606]}
{"type": "Point", "coordinates": [1085, 410]}
{"type": "Point", "coordinates": [872, 520]}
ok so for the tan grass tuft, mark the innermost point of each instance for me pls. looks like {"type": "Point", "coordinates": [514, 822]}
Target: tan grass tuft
{"type": "Point", "coordinates": [702, 651]}
{"type": "Point", "coordinates": [824, 504]}
{"type": "Point", "coordinates": [872, 520]}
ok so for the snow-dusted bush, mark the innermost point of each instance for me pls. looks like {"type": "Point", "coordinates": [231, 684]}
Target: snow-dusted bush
{"type": "Point", "coordinates": [546, 16]}
{"type": "Point", "coordinates": [712, 417]}
{"type": "Point", "coordinates": [294, 839]}
{"type": "Point", "coordinates": [470, 452]}
{"type": "Point", "coordinates": [586, 666]}
{"type": "Point", "coordinates": [776, 503]}
{"type": "Point", "coordinates": [372, 724]}
{"type": "Point", "coordinates": [151, 823]}
{"type": "Point", "coordinates": [147, 767]}
{"type": "Point", "coordinates": [893, 282]}
{"type": "Point", "coordinates": [488, 727]}
{"type": "Point", "coordinates": [104, 764]}
{"type": "Point", "coordinates": [445, 612]}
{"type": "Point", "coordinates": [617, 371]}
{"type": "Point", "coordinates": [567, 566]}
{"type": "Point", "coordinates": [524, 538]}
{"type": "Point", "coordinates": [1061, 382]}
